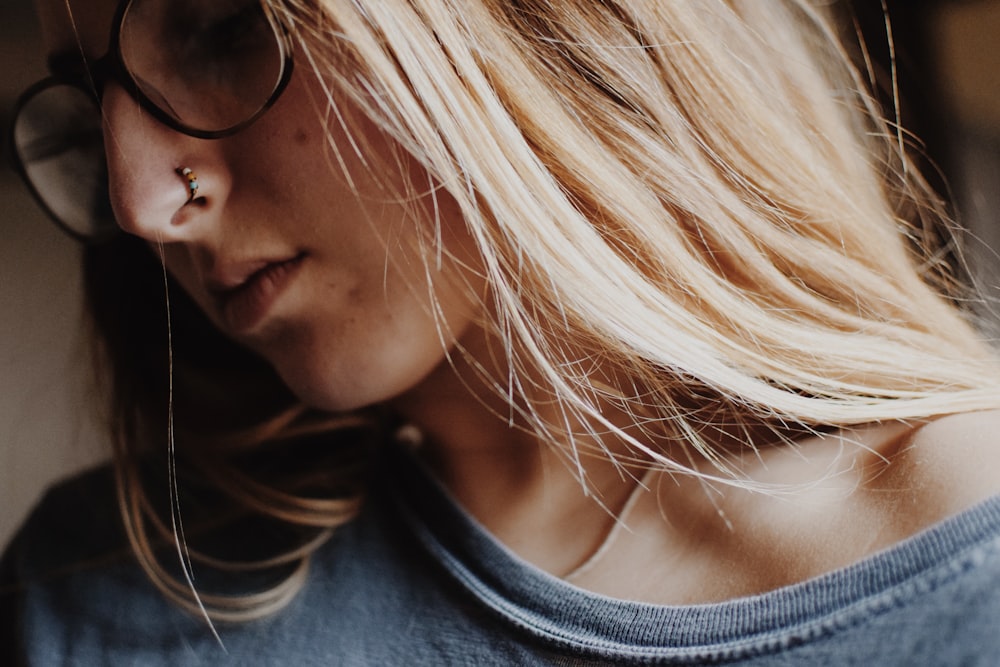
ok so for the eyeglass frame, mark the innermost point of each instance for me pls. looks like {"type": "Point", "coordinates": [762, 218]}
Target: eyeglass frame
{"type": "Point", "coordinates": [91, 79]}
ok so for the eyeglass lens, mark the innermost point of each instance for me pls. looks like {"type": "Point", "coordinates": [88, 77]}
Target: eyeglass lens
{"type": "Point", "coordinates": [205, 67]}
{"type": "Point", "coordinates": [208, 65]}
{"type": "Point", "coordinates": [58, 139]}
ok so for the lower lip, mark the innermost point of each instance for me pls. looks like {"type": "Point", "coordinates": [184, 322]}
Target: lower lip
{"type": "Point", "coordinates": [245, 308]}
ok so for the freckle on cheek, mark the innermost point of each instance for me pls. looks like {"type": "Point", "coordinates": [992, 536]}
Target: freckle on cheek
{"type": "Point", "coordinates": [301, 137]}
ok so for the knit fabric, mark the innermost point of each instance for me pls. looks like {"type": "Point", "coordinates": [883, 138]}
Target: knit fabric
{"type": "Point", "coordinates": [415, 581]}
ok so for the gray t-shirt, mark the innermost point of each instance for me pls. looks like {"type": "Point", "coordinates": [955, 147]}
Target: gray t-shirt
{"type": "Point", "coordinates": [415, 581]}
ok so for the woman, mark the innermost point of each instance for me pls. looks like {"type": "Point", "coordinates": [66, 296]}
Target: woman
{"type": "Point", "coordinates": [505, 332]}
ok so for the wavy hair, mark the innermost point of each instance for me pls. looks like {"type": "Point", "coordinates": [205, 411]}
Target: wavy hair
{"type": "Point", "coordinates": [692, 211]}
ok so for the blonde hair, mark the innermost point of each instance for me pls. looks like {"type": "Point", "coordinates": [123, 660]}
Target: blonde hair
{"type": "Point", "coordinates": [697, 198]}
{"type": "Point", "coordinates": [693, 192]}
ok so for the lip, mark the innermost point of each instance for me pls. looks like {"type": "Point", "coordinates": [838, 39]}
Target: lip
{"type": "Point", "coordinates": [246, 304]}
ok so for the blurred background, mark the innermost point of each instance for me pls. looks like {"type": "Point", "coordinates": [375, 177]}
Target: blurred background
{"type": "Point", "coordinates": [47, 420]}
{"type": "Point", "coordinates": [949, 74]}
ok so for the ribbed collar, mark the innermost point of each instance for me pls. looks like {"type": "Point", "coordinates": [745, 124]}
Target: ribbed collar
{"type": "Point", "coordinates": [564, 615]}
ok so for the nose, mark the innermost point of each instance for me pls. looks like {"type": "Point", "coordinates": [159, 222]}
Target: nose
{"type": "Point", "coordinates": [152, 170]}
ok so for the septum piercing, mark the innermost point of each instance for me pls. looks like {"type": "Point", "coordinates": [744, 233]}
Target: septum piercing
{"type": "Point", "coordinates": [192, 180]}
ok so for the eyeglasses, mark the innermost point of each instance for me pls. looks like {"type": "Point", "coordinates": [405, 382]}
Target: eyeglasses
{"type": "Point", "coordinates": [205, 69]}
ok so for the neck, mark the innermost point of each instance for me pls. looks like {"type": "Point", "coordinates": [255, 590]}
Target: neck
{"type": "Point", "coordinates": [521, 487]}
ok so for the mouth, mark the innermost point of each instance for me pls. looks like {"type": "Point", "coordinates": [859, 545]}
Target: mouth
{"type": "Point", "coordinates": [244, 306]}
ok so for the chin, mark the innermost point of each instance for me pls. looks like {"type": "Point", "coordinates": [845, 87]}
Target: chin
{"type": "Point", "coordinates": [339, 369]}
{"type": "Point", "coordinates": [334, 386]}
{"type": "Point", "coordinates": [330, 393]}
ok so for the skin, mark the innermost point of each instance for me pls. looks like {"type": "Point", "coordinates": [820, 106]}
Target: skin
{"type": "Point", "coordinates": [355, 327]}
{"type": "Point", "coordinates": [355, 324]}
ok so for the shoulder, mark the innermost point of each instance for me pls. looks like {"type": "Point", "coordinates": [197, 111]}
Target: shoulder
{"type": "Point", "coordinates": [945, 465]}
{"type": "Point", "coordinates": [972, 438]}
{"type": "Point", "coordinates": [75, 528]}
{"type": "Point", "coordinates": [76, 522]}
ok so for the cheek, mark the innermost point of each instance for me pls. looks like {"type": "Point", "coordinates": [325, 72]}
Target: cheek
{"type": "Point", "coordinates": [378, 329]}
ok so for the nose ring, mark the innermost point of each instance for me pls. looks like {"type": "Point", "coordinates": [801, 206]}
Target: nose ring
{"type": "Point", "coordinates": [192, 180]}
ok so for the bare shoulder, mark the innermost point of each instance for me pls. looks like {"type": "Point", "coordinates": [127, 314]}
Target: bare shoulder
{"type": "Point", "coordinates": [945, 466]}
